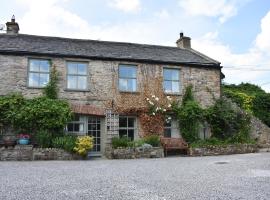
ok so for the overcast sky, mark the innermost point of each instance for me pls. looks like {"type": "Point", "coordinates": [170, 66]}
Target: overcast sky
{"type": "Point", "coordinates": [234, 32]}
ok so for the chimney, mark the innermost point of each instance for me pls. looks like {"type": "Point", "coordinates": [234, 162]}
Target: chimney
{"type": "Point", "coordinates": [12, 27]}
{"type": "Point", "coordinates": [183, 42]}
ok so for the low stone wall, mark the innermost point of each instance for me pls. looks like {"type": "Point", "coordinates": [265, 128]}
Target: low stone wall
{"type": "Point", "coordinates": [132, 153]}
{"type": "Point", "coordinates": [27, 153]}
{"type": "Point", "coordinates": [224, 150]}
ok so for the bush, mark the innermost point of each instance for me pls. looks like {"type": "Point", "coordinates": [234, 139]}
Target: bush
{"type": "Point", "coordinates": [43, 114]}
{"type": "Point", "coordinates": [120, 142]}
{"type": "Point", "coordinates": [154, 140]}
{"type": "Point", "coordinates": [136, 143]}
{"type": "Point", "coordinates": [67, 142]}
{"type": "Point", "coordinates": [43, 139]}
{"type": "Point", "coordinates": [83, 145]}
{"type": "Point", "coordinates": [225, 121]}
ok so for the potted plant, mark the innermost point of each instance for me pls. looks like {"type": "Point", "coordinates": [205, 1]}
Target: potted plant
{"type": "Point", "coordinates": [24, 139]}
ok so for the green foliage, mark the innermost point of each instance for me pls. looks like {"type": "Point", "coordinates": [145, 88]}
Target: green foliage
{"type": "Point", "coordinates": [154, 140]}
{"type": "Point", "coordinates": [251, 98]}
{"type": "Point", "coordinates": [218, 142]}
{"type": "Point", "coordinates": [43, 139]}
{"type": "Point", "coordinates": [189, 115]}
{"type": "Point", "coordinates": [51, 89]}
{"type": "Point", "coordinates": [121, 142]}
{"type": "Point", "coordinates": [32, 115]}
{"type": "Point", "coordinates": [261, 107]}
{"type": "Point", "coordinates": [136, 143]}
{"type": "Point", "coordinates": [67, 142]}
{"type": "Point", "coordinates": [226, 121]}
{"type": "Point", "coordinates": [9, 108]}
{"type": "Point", "coordinates": [188, 95]}
{"type": "Point", "coordinates": [43, 114]}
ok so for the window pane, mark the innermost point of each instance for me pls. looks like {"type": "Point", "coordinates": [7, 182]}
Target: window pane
{"type": "Point", "coordinates": [70, 127]}
{"type": "Point", "coordinates": [131, 134]}
{"type": "Point", "coordinates": [167, 74]}
{"type": "Point", "coordinates": [82, 82]}
{"type": "Point", "coordinates": [76, 127]}
{"type": "Point", "coordinates": [123, 84]}
{"type": "Point", "coordinates": [34, 65]}
{"type": "Point", "coordinates": [130, 122]}
{"type": "Point", "coordinates": [72, 82]}
{"type": "Point", "coordinates": [34, 79]}
{"type": "Point", "coordinates": [127, 72]}
{"type": "Point", "coordinates": [167, 86]}
{"type": "Point", "coordinates": [82, 68]}
{"type": "Point", "coordinates": [44, 79]}
{"type": "Point", "coordinates": [122, 133]}
{"type": "Point", "coordinates": [167, 132]}
{"type": "Point", "coordinates": [123, 122]}
{"type": "Point", "coordinates": [81, 128]}
{"type": "Point", "coordinates": [44, 66]}
{"type": "Point", "coordinates": [72, 68]}
{"type": "Point", "coordinates": [131, 85]}
{"type": "Point", "coordinates": [175, 75]}
{"type": "Point", "coordinates": [175, 86]}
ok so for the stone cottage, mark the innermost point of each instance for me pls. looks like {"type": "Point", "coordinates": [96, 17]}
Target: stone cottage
{"type": "Point", "coordinates": [106, 82]}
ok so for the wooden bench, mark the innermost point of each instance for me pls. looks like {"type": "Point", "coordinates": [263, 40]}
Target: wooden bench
{"type": "Point", "coordinates": [173, 144]}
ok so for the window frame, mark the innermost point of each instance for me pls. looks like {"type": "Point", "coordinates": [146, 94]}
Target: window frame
{"type": "Point", "coordinates": [127, 128]}
{"type": "Point", "coordinates": [80, 121]}
{"type": "Point", "coordinates": [37, 72]}
{"type": "Point", "coordinates": [179, 81]}
{"type": "Point", "coordinates": [128, 78]}
{"type": "Point", "coordinates": [168, 128]}
{"type": "Point", "coordinates": [77, 75]}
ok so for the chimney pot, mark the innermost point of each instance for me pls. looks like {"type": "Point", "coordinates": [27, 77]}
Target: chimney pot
{"type": "Point", "coordinates": [13, 26]}
{"type": "Point", "coordinates": [183, 42]}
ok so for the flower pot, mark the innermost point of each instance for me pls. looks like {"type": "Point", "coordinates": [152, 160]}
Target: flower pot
{"type": "Point", "coordinates": [24, 141]}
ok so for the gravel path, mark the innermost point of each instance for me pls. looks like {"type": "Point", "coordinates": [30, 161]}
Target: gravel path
{"type": "Point", "coordinates": [244, 176]}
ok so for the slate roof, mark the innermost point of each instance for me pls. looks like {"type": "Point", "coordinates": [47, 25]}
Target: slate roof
{"type": "Point", "coordinates": [102, 50]}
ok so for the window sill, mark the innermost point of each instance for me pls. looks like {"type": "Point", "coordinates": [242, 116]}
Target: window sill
{"type": "Point", "coordinates": [32, 87]}
{"type": "Point", "coordinates": [173, 93]}
{"type": "Point", "coordinates": [76, 90]}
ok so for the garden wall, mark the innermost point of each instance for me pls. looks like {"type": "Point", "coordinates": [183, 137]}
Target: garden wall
{"type": "Point", "coordinates": [224, 150]}
{"type": "Point", "coordinates": [132, 153]}
{"type": "Point", "coordinates": [27, 153]}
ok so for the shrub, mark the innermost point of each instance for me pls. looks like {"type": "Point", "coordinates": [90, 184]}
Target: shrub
{"type": "Point", "coordinates": [51, 89]}
{"type": "Point", "coordinates": [83, 145]}
{"type": "Point", "coordinates": [189, 115]}
{"type": "Point", "coordinates": [43, 139]}
{"type": "Point", "coordinates": [154, 140]}
{"type": "Point", "coordinates": [120, 142]}
{"type": "Point", "coordinates": [226, 121]}
{"type": "Point", "coordinates": [136, 143]}
{"type": "Point", "coordinates": [43, 114]}
{"type": "Point", "coordinates": [67, 142]}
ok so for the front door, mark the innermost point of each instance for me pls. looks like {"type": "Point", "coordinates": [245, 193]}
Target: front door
{"type": "Point", "coordinates": [94, 130]}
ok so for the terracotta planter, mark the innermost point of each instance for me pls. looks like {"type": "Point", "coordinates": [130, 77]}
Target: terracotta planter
{"type": "Point", "coordinates": [9, 141]}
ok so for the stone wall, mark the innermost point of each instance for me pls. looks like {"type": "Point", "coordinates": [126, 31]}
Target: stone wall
{"type": "Point", "coordinates": [27, 153]}
{"type": "Point", "coordinates": [224, 150]}
{"type": "Point", "coordinates": [132, 153]}
{"type": "Point", "coordinates": [259, 131]}
{"type": "Point", "coordinates": [103, 81]}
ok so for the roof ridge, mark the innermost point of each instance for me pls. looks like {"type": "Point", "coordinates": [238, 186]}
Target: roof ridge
{"type": "Point", "coordinates": [91, 40]}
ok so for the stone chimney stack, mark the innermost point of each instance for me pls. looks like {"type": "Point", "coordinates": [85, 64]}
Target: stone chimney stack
{"type": "Point", "coordinates": [183, 42]}
{"type": "Point", "coordinates": [13, 26]}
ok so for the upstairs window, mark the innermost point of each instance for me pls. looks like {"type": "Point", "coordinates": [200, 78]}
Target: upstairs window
{"type": "Point", "coordinates": [171, 80]}
{"type": "Point", "coordinates": [128, 78]}
{"type": "Point", "coordinates": [39, 73]}
{"type": "Point", "coordinates": [77, 75]}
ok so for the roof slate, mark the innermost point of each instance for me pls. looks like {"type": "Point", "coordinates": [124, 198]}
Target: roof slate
{"type": "Point", "coordinates": [104, 50]}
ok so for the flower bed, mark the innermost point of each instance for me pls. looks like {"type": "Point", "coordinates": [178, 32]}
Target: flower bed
{"type": "Point", "coordinates": [223, 150]}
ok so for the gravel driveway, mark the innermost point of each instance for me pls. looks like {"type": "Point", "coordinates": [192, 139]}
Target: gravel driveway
{"type": "Point", "coordinates": [244, 176]}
